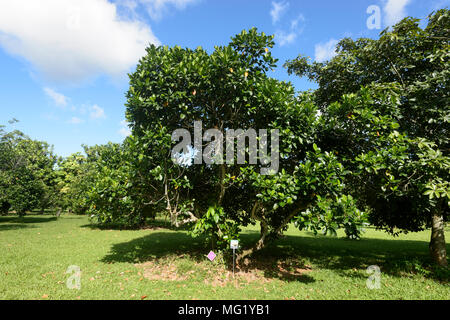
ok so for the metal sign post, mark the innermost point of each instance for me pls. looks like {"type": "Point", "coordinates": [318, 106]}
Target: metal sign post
{"type": "Point", "coordinates": [234, 252]}
{"type": "Point", "coordinates": [234, 244]}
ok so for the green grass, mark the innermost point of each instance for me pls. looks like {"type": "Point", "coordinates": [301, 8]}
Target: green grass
{"type": "Point", "coordinates": [165, 264]}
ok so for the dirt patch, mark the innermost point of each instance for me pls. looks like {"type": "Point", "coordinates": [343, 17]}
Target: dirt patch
{"type": "Point", "coordinates": [162, 272]}
{"type": "Point", "coordinates": [272, 268]}
{"type": "Point", "coordinates": [240, 278]}
{"type": "Point", "coordinates": [220, 276]}
{"type": "Point", "coordinates": [290, 271]}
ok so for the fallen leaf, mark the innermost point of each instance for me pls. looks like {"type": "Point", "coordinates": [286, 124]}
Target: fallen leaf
{"type": "Point", "coordinates": [143, 297]}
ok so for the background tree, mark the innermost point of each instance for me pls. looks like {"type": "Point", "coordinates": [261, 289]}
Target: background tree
{"type": "Point", "coordinates": [74, 178]}
{"type": "Point", "coordinates": [407, 186]}
{"type": "Point", "coordinates": [27, 181]}
{"type": "Point", "coordinates": [115, 195]}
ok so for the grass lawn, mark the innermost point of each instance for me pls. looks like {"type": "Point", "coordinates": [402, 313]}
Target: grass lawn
{"type": "Point", "coordinates": [161, 263]}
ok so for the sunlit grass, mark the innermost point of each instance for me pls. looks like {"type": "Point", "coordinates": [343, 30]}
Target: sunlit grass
{"type": "Point", "coordinates": [165, 264]}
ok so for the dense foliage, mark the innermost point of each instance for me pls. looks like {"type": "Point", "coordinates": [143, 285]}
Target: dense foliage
{"type": "Point", "coordinates": [27, 178]}
{"type": "Point", "coordinates": [397, 146]}
{"type": "Point", "coordinates": [229, 89]}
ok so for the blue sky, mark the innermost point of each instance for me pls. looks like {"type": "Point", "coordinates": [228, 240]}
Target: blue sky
{"type": "Point", "coordinates": [64, 63]}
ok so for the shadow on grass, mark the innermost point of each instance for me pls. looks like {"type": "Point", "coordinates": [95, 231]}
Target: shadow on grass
{"type": "Point", "coordinates": [346, 257]}
{"type": "Point", "coordinates": [7, 227]}
{"type": "Point", "coordinates": [292, 258]}
{"type": "Point", "coordinates": [150, 225]}
{"type": "Point", "coordinates": [179, 244]}
{"type": "Point", "coordinates": [156, 245]}
{"type": "Point", "coordinates": [25, 219]}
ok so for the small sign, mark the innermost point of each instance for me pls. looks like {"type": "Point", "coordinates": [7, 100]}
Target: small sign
{"type": "Point", "coordinates": [211, 256]}
{"type": "Point", "coordinates": [234, 244]}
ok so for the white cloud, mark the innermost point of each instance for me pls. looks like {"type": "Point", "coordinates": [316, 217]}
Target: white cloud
{"type": "Point", "coordinates": [284, 38]}
{"type": "Point", "coordinates": [71, 40]}
{"type": "Point", "coordinates": [278, 9]}
{"type": "Point", "coordinates": [76, 120]}
{"type": "Point", "coordinates": [124, 131]}
{"type": "Point", "coordinates": [94, 112]}
{"type": "Point", "coordinates": [394, 11]}
{"type": "Point", "coordinates": [58, 98]}
{"type": "Point", "coordinates": [97, 112]}
{"type": "Point", "coordinates": [295, 22]}
{"type": "Point", "coordinates": [325, 51]}
{"type": "Point", "coordinates": [129, 4]}
{"type": "Point", "coordinates": [157, 8]}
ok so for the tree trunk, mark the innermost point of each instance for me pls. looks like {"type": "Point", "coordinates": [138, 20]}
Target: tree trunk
{"type": "Point", "coordinates": [258, 246]}
{"type": "Point", "coordinates": [437, 243]}
{"type": "Point", "coordinates": [262, 242]}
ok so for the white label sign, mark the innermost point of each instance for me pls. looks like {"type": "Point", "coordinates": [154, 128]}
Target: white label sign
{"type": "Point", "coordinates": [234, 244]}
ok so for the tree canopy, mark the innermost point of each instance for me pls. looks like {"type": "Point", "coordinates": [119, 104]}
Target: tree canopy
{"type": "Point", "coordinates": [398, 148]}
{"type": "Point", "coordinates": [27, 179]}
{"type": "Point", "coordinates": [228, 90]}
